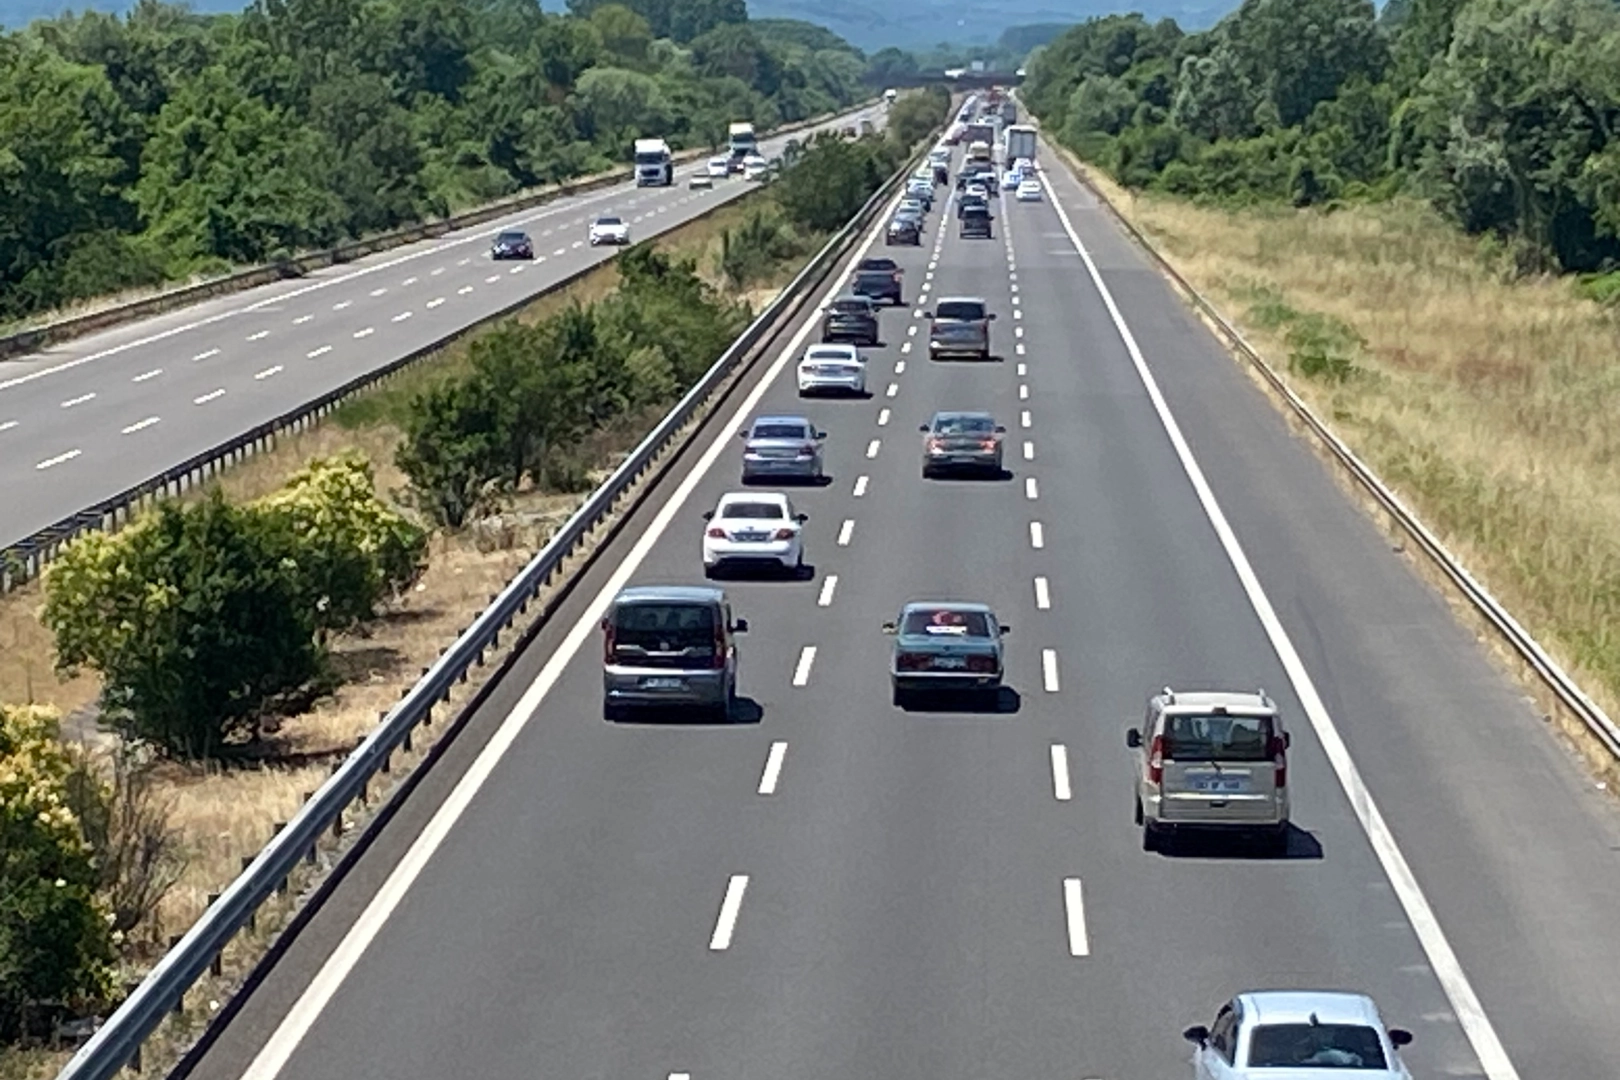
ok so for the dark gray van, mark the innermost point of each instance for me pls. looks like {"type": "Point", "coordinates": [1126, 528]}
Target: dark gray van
{"type": "Point", "coordinates": [669, 645]}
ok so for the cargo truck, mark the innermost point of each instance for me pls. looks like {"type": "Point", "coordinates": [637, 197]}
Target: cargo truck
{"type": "Point", "coordinates": [655, 165]}
{"type": "Point", "coordinates": [1020, 143]}
{"type": "Point", "coordinates": [743, 142]}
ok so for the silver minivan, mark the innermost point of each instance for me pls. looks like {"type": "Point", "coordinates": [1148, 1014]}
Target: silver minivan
{"type": "Point", "coordinates": [960, 326]}
{"type": "Point", "coordinates": [669, 646]}
{"type": "Point", "coordinates": [1211, 760]}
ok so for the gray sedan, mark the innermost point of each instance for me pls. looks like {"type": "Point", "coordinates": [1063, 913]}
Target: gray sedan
{"type": "Point", "coordinates": [781, 446]}
{"type": "Point", "coordinates": [948, 645]}
{"type": "Point", "coordinates": [969, 441]}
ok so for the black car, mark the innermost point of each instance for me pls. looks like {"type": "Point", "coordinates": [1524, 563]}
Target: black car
{"type": "Point", "coordinates": [903, 231]}
{"type": "Point", "coordinates": [975, 224]}
{"type": "Point", "coordinates": [968, 204]}
{"type": "Point", "coordinates": [883, 263]}
{"type": "Point", "coordinates": [852, 319]}
{"type": "Point", "coordinates": [512, 245]}
{"type": "Point", "coordinates": [878, 285]}
{"type": "Point", "coordinates": [942, 175]}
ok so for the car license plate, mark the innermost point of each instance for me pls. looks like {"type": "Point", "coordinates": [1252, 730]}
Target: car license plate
{"type": "Point", "coordinates": [661, 684]}
{"type": "Point", "coordinates": [949, 662]}
{"type": "Point", "coordinates": [1222, 785]}
{"type": "Point", "coordinates": [750, 538]}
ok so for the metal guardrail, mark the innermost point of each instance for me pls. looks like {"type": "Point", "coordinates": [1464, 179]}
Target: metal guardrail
{"type": "Point", "coordinates": [34, 339]}
{"type": "Point", "coordinates": [1592, 715]}
{"type": "Point", "coordinates": [27, 558]}
{"type": "Point", "coordinates": [118, 1041]}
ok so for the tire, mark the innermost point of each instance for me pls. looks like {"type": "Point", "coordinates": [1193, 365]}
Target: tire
{"type": "Point", "coordinates": [611, 712]}
{"type": "Point", "coordinates": [900, 697]}
{"type": "Point", "coordinates": [1151, 840]}
{"type": "Point", "coordinates": [1277, 841]}
{"type": "Point", "coordinates": [711, 572]}
{"type": "Point", "coordinates": [1136, 817]}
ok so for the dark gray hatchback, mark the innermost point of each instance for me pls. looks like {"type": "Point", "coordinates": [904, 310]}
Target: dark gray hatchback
{"type": "Point", "coordinates": [850, 318]}
{"type": "Point", "coordinates": [878, 285]}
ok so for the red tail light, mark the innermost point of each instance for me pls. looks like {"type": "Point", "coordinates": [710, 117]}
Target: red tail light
{"type": "Point", "coordinates": [719, 646]}
{"type": "Point", "coordinates": [807, 449]}
{"type": "Point", "coordinates": [607, 643]}
{"type": "Point", "coordinates": [910, 661]}
{"type": "Point", "coordinates": [983, 664]}
{"type": "Point", "coordinates": [936, 444]}
{"type": "Point", "coordinates": [1279, 761]}
{"type": "Point", "coordinates": [717, 533]}
{"type": "Point", "coordinates": [1156, 760]}
{"type": "Point", "coordinates": [988, 444]}
{"type": "Point", "coordinates": [784, 534]}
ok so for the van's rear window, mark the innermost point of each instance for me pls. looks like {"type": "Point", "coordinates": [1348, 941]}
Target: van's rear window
{"type": "Point", "coordinates": [665, 628]}
{"type": "Point", "coordinates": [1217, 738]}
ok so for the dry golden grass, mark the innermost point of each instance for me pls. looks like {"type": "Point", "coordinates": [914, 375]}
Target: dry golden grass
{"type": "Point", "coordinates": [1484, 400]}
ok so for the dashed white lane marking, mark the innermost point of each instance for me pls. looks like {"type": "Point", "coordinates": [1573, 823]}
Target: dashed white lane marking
{"type": "Point", "coordinates": [1029, 451]}
{"type": "Point", "coordinates": [1031, 489]}
{"type": "Point", "coordinates": [402, 316]}
{"type": "Point", "coordinates": [860, 487]}
{"type": "Point", "coordinates": [341, 304]}
{"type": "Point", "coordinates": [917, 315]}
{"type": "Point", "coordinates": [52, 462]}
{"type": "Point", "coordinates": [883, 417]}
{"type": "Point", "coordinates": [911, 331]}
{"type": "Point", "coordinates": [436, 271]}
{"type": "Point", "coordinates": [1060, 773]}
{"type": "Point", "coordinates": [680, 1076]}
{"type": "Point", "coordinates": [827, 588]}
{"type": "Point", "coordinates": [8, 425]}
{"type": "Point", "coordinates": [212, 395]}
{"type": "Point", "coordinates": [80, 400]}
{"type": "Point", "coordinates": [894, 388]}
{"type": "Point", "coordinates": [801, 672]}
{"type": "Point", "coordinates": [492, 279]}
{"type": "Point", "coordinates": [579, 243]}
{"type": "Point", "coordinates": [1074, 905]}
{"type": "Point", "coordinates": [143, 376]}
{"type": "Point", "coordinates": [435, 302]}
{"type": "Point", "coordinates": [1018, 313]}
{"type": "Point", "coordinates": [140, 425]}
{"type": "Point", "coordinates": [1023, 369]}
{"type": "Point", "coordinates": [518, 269]}
{"type": "Point", "coordinates": [899, 367]}
{"type": "Point", "coordinates": [1023, 418]}
{"type": "Point", "coordinates": [379, 290]}
{"type": "Point", "coordinates": [1014, 288]}
{"type": "Point", "coordinates": [464, 290]}
{"type": "Point", "coordinates": [873, 447]}
{"type": "Point", "coordinates": [269, 372]}
{"type": "Point", "coordinates": [1037, 535]}
{"type": "Point", "coordinates": [560, 251]}
{"type": "Point", "coordinates": [322, 351]}
{"type": "Point", "coordinates": [408, 281]}
{"type": "Point", "coordinates": [464, 262]}
{"type": "Point", "coordinates": [1018, 331]}
{"type": "Point", "coordinates": [845, 531]}
{"type": "Point", "coordinates": [548, 232]}
{"type": "Point", "coordinates": [1020, 348]}
{"type": "Point", "coordinates": [260, 336]}
{"type": "Point", "coordinates": [205, 354]}
{"type": "Point", "coordinates": [1049, 670]}
{"type": "Point", "coordinates": [367, 332]}
{"type": "Point", "coordinates": [1023, 392]}
{"type": "Point", "coordinates": [928, 276]}
{"type": "Point", "coordinates": [773, 768]}
{"type": "Point", "coordinates": [1043, 594]}
{"type": "Point", "coordinates": [726, 925]}
{"type": "Point", "coordinates": [302, 319]}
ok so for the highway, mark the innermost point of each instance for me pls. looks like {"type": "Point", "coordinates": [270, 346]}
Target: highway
{"type": "Point", "coordinates": [833, 887]}
{"type": "Point", "coordinates": [92, 418]}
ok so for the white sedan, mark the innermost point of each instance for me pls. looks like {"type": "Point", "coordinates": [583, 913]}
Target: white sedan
{"type": "Point", "coordinates": [831, 367]}
{"type": "Point", "coordinates": [609, 229]}
{"type": "Point", "coordinates": [757, 529]}
{"type": "Point", "coordinates": [719, 167]}
{"type": "Point", "coordinates": [1029, 190]}
{"type": "Point", "coordinates": [1298, 1033]}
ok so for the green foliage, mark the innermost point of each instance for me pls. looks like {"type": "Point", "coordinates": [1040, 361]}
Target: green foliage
{"type": "Point", "coordinates": [56, 938]}
{"type": "Point", "coordinates": [164, 143]}
{"type": "Point", "coordinates": [1502, 113]}
{"type": "Point", "coordinates": [913, 117]}
{"type": "Point", "coordinates": [762, 242]}
{"type": "Point", "coordinates": [833, 180]}
{"type": "Point", "coordinates": [203, 620]}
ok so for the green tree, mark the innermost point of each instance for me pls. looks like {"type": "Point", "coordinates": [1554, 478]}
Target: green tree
{"type": "Point", "coordinates": [449, 451]}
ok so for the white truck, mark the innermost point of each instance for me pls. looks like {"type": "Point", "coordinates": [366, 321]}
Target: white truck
{"type": "Point", "coordinates": [655, 165]}
{"type": "Point", "coordinates": [1019, 142]}
{"type": "Point", "coordinates": [743, 142]}
{"type": "Point", "coordinates": [890, 95]}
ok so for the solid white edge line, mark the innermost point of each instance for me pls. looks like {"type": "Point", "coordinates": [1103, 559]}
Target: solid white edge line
{"type": "Point", "coordinates": [278, 1048]}
{"type": "Point", "coordinates": [1049, 671]}
{"type": "Point", "coordinates": [773, 768]}
{"type": "Point", "coordinates": [1459, 991]}
{"type": "Point", "coordinates": [807, 659]}
{"type": "Point", "coordinates": [730, 907]}
{"type": "Point", "coordinates": [1043, 594]}
{"type": "Point", "coordinates": [1060, 773]}
{"type": "Point", "coordinates": [1074, 907]}
{"type": "Point", "coordinates": [827, 588]}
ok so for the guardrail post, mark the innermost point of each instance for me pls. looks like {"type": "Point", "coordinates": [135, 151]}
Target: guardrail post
{"type": "Point", "coordinates": [216, 966]}
{"type": "Point", "coordinates": [253, 916]}
{"type": "Point", "coordinates": [179, 997]}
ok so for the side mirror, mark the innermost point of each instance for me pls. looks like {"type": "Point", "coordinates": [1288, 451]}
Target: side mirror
{"type": "Point", "coordinates": [923, 428]}
{"type": "Point", "coordinates": [1288, 739]}
{"type": "Point", "coordinates": [1001, 429]}
{"type": "Point", "coordinates": [928, 314]}
{"type": "Point", "coordinates": [801, 518]}
{"type": "Point", "coordinates": [888, 628]}
{"type": "Point", "coordinates": [708, 515]}
{"type": "Point", "coordinates": [991, 316]}
{"type": "Point", "coordinates": [1133, 739]}
{"type": "Point", "coordinates": [1197, 1034]}
{"type": "Point", "coordinates": [740, 626]}
{"type": "Point", "coordinates": [820, 435]}
{"type": "Point", "coordinates": [1400, 1036]}
{"type": "Point", "coordinates": [1005, 629]}
{"type": "Point", "coordinates": [742, 434]}
{"type": "Point", "coordinates": [605, 625]}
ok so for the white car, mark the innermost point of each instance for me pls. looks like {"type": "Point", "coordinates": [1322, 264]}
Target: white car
{"type": "Point", "coordinates": [831, 367]}
{"type": "Point", "coordinates": [1029, 190]}
{"type": "Point", "coordinates": [977, 189]}
{"type": "Point", "coordinates": [755, 167]}
{"type": "Point", "coordinates": [1011, 179]}
{"type": "Point", "coordinates": [609, 229]}
{"type": "Point", "coordinates": [1300, 1034]}
{"type": "Point", "coordinates": [758, 529]}
{"type": "Point", "coordinates": [719, 167]}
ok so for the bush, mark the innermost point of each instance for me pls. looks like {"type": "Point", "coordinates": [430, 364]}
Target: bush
{"type": "Point", "coordinates": [833, 180]}
{"type": "Point", "coordinates": [56, 939]}
{"type": "Point", "coordinates": [756, 247]}
{"type": "Point", "coordinates": [914, 117]}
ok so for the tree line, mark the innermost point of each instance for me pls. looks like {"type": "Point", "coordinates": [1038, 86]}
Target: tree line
{"type": "Point", "coordinates": [165, 143]}
{"type": "Point", "coordinates": [1504, 114]}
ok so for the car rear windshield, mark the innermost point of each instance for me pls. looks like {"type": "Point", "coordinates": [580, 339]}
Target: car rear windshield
{"type": "Point", "coordinates": [826, 356]}
{"type": "Point", "coordinates": [959, 309]}
{"type": "Point", "coordinates": [1315, 1046]}
{"type": "Point", "coordinates": [873, 277]}
{"type": "Point", "coordinates": [888, 266]}
{"type": "Point", "coordinates": [852, 307]}
{"type": "Point", "coordinates": [964, 425]}
{"type": "Point", "coordinates": [947, 622]}
{"type": "Point", "coordinates": [752, 511]}
{"type": "Point", "coordinates": [1217, 738]}
{"type": "Point", "coordinates": [779, 431]}
{"type": "Point", "coordinates": [652, 627]}
{"type": "Point", "coordinates": [608, 221]}
{"type": "Point", "coordinates": [511, 238]}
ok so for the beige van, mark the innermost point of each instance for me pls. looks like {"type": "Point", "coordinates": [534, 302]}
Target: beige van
{"type": "Point", "coordinates": [1211, 760]}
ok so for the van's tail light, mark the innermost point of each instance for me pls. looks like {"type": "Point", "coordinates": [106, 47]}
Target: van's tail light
{"type": "Point", "coordinates": [988, 444]}
{"type": "Point", "coordinates": [717, 533]}
{"type": "Point", "coordinates": [1279, 760]}
{"type": "Point", "coordinates": [784, 534]}
{"type": "Point", "coordinates": [607, 643]}
{"type": "Point", "coordinates": [1156, 760]}
{"type": "Point", "coordinates": [719, 645]}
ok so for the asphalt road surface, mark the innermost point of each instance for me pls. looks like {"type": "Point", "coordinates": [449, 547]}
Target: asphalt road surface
{"type": "Point", "coordinates": [834, 887]}
{"type": "Point", "coordinates": [85, 421]}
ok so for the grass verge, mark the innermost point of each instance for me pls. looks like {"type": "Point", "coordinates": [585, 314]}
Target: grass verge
{"type": "Point", "coordinates": [224, 816]}
{"type": "Point", "coordinates": [1481, 397]}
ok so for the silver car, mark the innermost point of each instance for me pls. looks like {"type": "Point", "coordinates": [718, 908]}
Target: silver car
{"type": "Point", "coordinates": [778, 447]}
{"type": "Point", "coordinates": [1300, 1034]}
{"type": "Point", "coordinates": [946, 645]}
{"type": "Point", "coordinates": [967, 441]}
{"type": "Point", "coordinates": [1211, 760]}
{"type": "Point", "coordinates": [960, 326]}
{"type": "Point", "coordinates": [669, 645]}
